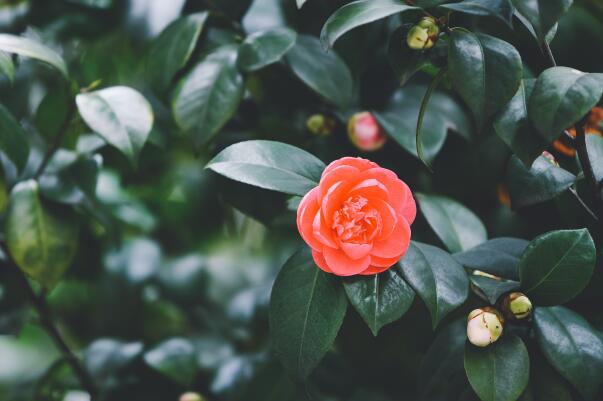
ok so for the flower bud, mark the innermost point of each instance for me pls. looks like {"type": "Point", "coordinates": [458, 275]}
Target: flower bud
{"type": "Point", "coordinates": [550, 158]}
{"type": "Point", "coordinates": [191, 397]}
{"type": "Point", "coordinates": [320, 124]}
{"type": "Point", "coordinates": [423, 35]}
{"type": "Point", "coordinates": [484, 326]}
{"type": "Point", "coordinates": [365, 133]}
{"type": "Point", "coordinates": [517, 305]}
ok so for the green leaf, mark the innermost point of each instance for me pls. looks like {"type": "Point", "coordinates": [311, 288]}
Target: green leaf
{"type": "Point", "coordinates": [263, 48]}
{"type": "Point", "coordinates": [438, 279]}
{"type": "Point", "coordinates": [513, 126]}
{"type": "Point", "coordinates": [6, 66]}
{"type": "Point", "coordinates": [208, 96]}
{"type": "Point", "coordinates": [170, 52]}
{"type": "Point", "coordinates": [120, 115]}
{"type": "Point", "coordinates": [52, 112]}
{"type": "Point", "coordinates": [561, 97]}
{"type": "Point", "coordinates": [485, 71]}
{"type": "Point", "coordinates": [13, 140]}
{"type": "Point", "coordinates": [525, 22]}
{"type": "Point", "coordinates": [357, 13]}
{"type": "Point", "coordinates": [300, 3]}
{"type": "Point", "coordinates": [270, 165]}
{"type": "Point", "coordinates": [498, 256]}
{"type": "Point", "coordinates": [572, 346]}
{"type": "Point", "coordinates": [542, 182]}
{"type": "Point", "coordinates": [499, 372]}
{"type": "Point", "coordinates": [380, 299]}
{"type": "Point", "coordinates": [29, 48]}
{"type": "Point", "coordinates": [556, 266]}
{"type": "Point", "coordinates": [594, 145]}
{"type": "Point", "coordinates": [174, 358]}
{"type": "Point", "coordinates": [41, 239]}
{"type": "Point", "coordinates": [542, 14]}
{"type": "Point", "coordinates": [492, 289]}
{"type": "Point", "coordinates": [307, 308]}
{"type": "Point", "coordinates": [458, 227]}
{"type": "Point", "coordinates": [501, 9]}
{"type": "Point", "coordinates": [74, 184]}
{"type": "Point", "coordinates": [105, 358]}
{"type": "Point", "coordinates": [324, 72]}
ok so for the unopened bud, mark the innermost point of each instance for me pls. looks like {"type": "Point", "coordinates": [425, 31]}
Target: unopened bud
{"type": "Point", "coordinates": [484, 326]}
{"type": "Point", "coordinates": [550, 158]}
{"type": "Point", "coordinates": [517, 305]}
{"type": "Point", "coordinates": [320, 124]}
{"type": "Point", "coordinates": [364, 132]}
{"type": "Point", "coordinates": [191, 397]}
{"type": "Point", "coordinates": [423, 35]}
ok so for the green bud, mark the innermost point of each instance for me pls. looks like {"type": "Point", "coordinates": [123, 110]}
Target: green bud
{"type": "Point", "coordinates": [320, 124]}
{"type": "Point", "coordinates": [518, 305]}
{"type": "Point", "coordinates": [484, 326]}
{"type": "Point", "coordinates": [423, 35]}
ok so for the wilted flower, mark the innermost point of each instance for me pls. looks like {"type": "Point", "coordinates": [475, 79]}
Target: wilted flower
{"type": "Point", "coordinates": [484, 326]}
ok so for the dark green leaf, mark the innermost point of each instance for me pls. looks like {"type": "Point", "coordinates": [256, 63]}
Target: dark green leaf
{"type": "Point", "coordinates": [525, 22]}
{"type": "Point", "coordinates": [307, 308]}
{"type": "Point", "coordinates": [572, 346]}
{"type": "Point", "coordinates": [499, 372]}
{"type": "Point", "coordinates": [542, 182]}
{"type": "Point", "coordinates": [498, 256]}
{"type": "Point", "coordinates": [270, 165]}
{"type": "Point", "coordinates": [53, 111]}
{"type": "Point", "coordinates": [492, 289]}
{"type": "Point", "coordinates": [208, 96]}
{"type": "Point", "coordinates": [542, 14]}
{"type": "Point", "coordinates": [561, 97]}
{"type": "Point", "coordinates": [438, 279]}
{"type": "Point", "coordinates": [357, 13]}
{"type": "Point", "coordinates": [380, 299]}
{"type": "Point", "coordinates": [105, 358]}
{"type": "Point", "coordinates": [174, 358]}
{"type": "Point", "coordinates": [556, 266]}
{"type": "Point", "coordinates": [263, 48]}
{"type": "Point", "coordinates": [6, 66]}
{"type": "Point", "coordinates": [594, 144]}
{"type": "Point", "coordinates": [41, 239]}
{"type": "Point", "coordinates": [172, 49]}
{"type": "Point", "coordinates": [29, 48]}
{"type": "Point", "coordinates": [324, 72]}
{"type": "Point", "coordinates": [501, 9]}
{"type": "Point", "coordinates": [513, 126]}
{"type": "Point", "coordinates": [13, 140]}
{"type": "Point", "coordinates": [458, 227]}
{"type": "Point", "coordinates": [120, 115]}
{"type": "Point", "coordinates": [486, 72]}
{"type": "Point", "coordinates": [74, 183]}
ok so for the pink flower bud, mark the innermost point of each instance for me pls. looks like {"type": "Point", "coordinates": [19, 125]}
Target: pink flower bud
{"type": "Point", "coordinates": [364, 132]}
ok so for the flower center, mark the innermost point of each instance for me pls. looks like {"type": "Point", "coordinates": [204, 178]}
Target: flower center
{"type": "Point", "coordinates": [356, 221]}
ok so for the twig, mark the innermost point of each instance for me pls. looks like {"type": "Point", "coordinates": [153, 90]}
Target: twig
{"type": "Point", "coordinates": [583, 204]}
{"type": "Point", "coordinates": [547, 51]}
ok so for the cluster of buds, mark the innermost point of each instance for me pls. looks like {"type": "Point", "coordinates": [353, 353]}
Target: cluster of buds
{"type": "Point", "coordinates": [365, 132]}
{"type": "Point", "coordinates": [321, 125]}
{"type": "Point", "coordinates": [423, 35]}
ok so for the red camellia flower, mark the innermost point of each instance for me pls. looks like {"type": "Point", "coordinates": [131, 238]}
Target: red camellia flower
{"type": "Point", "coordinates": [357, 220]}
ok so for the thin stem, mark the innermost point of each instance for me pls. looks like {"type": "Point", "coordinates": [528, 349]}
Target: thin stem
{"type": "Point", "coordinates": [547, 51]}
{"type": "Point", "coordinates": [587, 167]}
{"type": "Point", "coordinates": [41, 306]}
{"type": "Point", "coordinates": [583, 204]}
{"type": "Point", "coordinates": [56, 144]}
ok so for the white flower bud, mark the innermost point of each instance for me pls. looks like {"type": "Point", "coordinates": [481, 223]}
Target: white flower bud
{"type": "Point", "coordinates": [484, 326]}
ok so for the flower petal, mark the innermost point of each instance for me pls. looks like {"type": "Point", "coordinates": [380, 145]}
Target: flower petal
{"type": "Point", "coordinates": [401, 198]}
{"type": "Point", "coordinates": [342, 265]}
{"type": "Point", "coordinates": [396, 244]}
{"type": "Point", "coordinates": [370, 188]}
{"type": "Point", "coordinates": [371, 270]}
{"type": "Point", "coordinates": [388, 217]}
{"type": "Point", "coordinates": [340, 173]}
{"type": "Point", "coordinates": [358, 162]}
{"type": "Point", "coordinates": [356, 251]}
{"type": "Point", "coordinates": [332, 201]}
{"type": "Point", "coordinates": [308, 207]}
{"type": "Point", "coordinates": [384, 262]}
{"type": "Point", "coordinates": [321, 232]}
{"type": "Point", "coordinates": [319, 259]}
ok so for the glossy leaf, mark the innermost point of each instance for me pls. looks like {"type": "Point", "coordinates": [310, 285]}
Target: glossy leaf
{"type": "Point", "coordinates": [556, 266]}
{"type": "Point", "coordinates": [542, 14]}
{"type": "Point", "coordinates": [501, 9]}
{"type": "Point", "coordinates": [171, 51]}
{"type": "Point", "coordinates": [107, 357]}
{"type": "Point", "coordinates": [498, 256]}
{"type": "Point", "coordinates": [120, 115]}
{"type": "Point", "coordinates": [572, 346]}
{"type": "Point", "coordinates": [513, 126]}
{"type": "Point", "coordinates": [485, 71]}
{"type": "Point", "coordinates": [307, 308]}
{"type": "Point", "coordinates": [357, 13]}
{"type": "Point", "coordinates": [492, 289]}
{"type": "Point", "coordinates": [436, 277]}
{"type": "Point", "coordinates": [542, 182]}
{"type": "Point", "coordinates": [208, 96]}
{"type": "Point", "coordinates": [324, 72]}
{"type": "Point", "coordinates": [30, 48]}
{"type": "Point", "coordinates": [270, 165]}
{"type": "Point", "coordinates": [52, 112]}
{"type": "Point", "coordinates": [458, 227]}
{"type": "Point", "coordinates": [7, 66]}
{"type": "Point", "coordinates": [379, 299]}
{"type": "Point", "coordinates": [13, 139]}
{"type": "Point", "coordinates": [263, 48]}
{"type": "Point", "coordinates": [561, 97]}
{"type": "Point", "coordinates": [594, 145]}
{"type": "Point", "coordinates": [499, 372]}
{"type": "Point", "coordinates": [42, 240]}
{"type": "Point", "coordinates": [174, 358]}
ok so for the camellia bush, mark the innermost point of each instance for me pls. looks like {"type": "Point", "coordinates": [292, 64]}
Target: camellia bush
{"type": "Point", "coordinates": [368, 200]}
